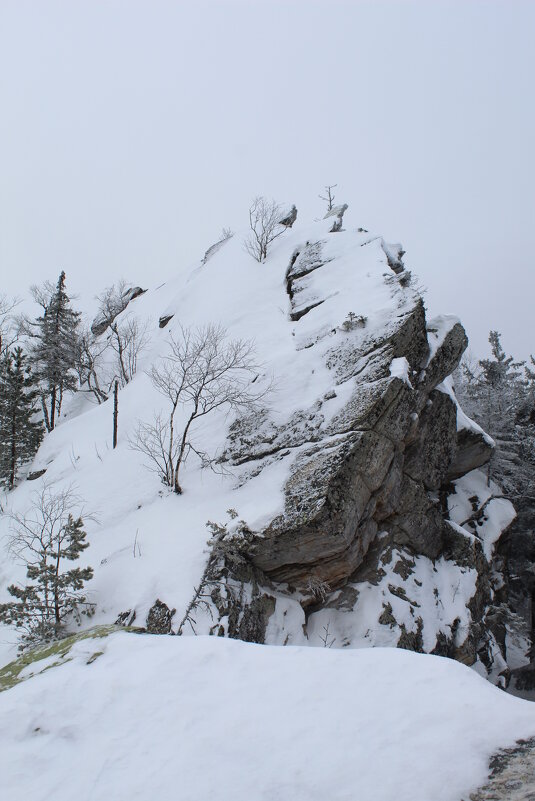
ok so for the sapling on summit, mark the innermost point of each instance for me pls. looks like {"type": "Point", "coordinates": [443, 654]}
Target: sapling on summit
{"type": "Point", "coordinates": [329, 196]}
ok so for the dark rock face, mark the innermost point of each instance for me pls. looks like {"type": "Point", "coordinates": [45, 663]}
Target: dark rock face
{"type": "Point", "coordinates": [517, 553]}
{"type": "Point", "coordinates": [289, 218]}
{"type": "Point", "coordinates": [429, 456]}
{"type": "Point", "coordinates": [373, 464]}
{"type": "Point", "coordinates": [472, 450]}
{"type": "Point", "coordinates": [455, 342]}
{"type": "Point", "coordinates": [159, 618]}
{"type": "Point", "coordinates": [164, 319]}
{"type": "Point", "coordinates": [35, 475]}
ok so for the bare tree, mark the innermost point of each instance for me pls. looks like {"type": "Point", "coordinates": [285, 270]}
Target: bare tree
{"type": "Point", "coordinates": [44, 539]}
{"type": "Point", "coordinates": [128, 339]}
{"type": "Point", "coordinates": [97, 372]}
{"type": "Point", "coordinates": [111, 302]}
{"type": "Point", "coordinates": [265, 223]}
{"type": "Point", "coordinates": [203, 372]}
{"type": "Point", "coordinates": [90, 366]}
{"type": "Point", "coordinates": [329, 196]}
{"type": "Point", "coordinates": [8, 327]}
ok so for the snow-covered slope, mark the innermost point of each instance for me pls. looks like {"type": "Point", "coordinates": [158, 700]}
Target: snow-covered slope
{"type": "Point", "coordinates": [366, 523]}
{"type": "Point", "coordinates": [338, 479]}
{"type": "Point", "coordinates": [133, 718]}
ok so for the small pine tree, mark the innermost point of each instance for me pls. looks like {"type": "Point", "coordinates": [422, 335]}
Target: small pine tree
{"type": "Point", "coordinates": [20, 433]}
{"type": "Point", "coordinates": [44, 541]}
{"type": "Point", "coordinates": [55, 351]}
{"type": "Point", "coordinates": [493, 394]}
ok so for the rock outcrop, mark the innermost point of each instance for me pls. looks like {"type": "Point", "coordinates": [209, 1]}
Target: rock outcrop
{"type": "Point", "coordinates": [512, 775]}
{"type": "Point", "coordinates": [116, 305]}
{"type": "Point", "coordinates": [159, 618]}
{"type": "Point", "coordinates": [367, 518]}
{"type": "Point", "coordinates": [366, 547]}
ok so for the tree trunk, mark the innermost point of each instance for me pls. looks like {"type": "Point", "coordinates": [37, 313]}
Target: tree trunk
{"type": "Point", "coordinates": [182, 450]}
{"type": "Point", "coordinates": [57, 609]}
{"type": "Point", "coordinates": [52, 408]}
{"type": "Point", "coordinates": [13, 455]}
{"type": "Point", "coordinates": [115, 411]}
{"type": "Point", "coordinates": [45, 413]}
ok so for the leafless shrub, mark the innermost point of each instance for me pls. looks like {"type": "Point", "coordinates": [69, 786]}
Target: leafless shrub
{"type": "Point", "coordinates": [203, 372]}
{"type": "Point", "coordinates": [127, 339]}
{"type": "Point", "coordinates": [113, 300]}
{"type": "Point", "coordinates": [327, 639]}
{"type": "Point", "coordinates": [97, 372]}
{"type": "Point", "coordinates": [90, 366]}
{"type": "Point", "coordinates": [318, 588]}
{"type": "Point", "coordinates": [265, 223]}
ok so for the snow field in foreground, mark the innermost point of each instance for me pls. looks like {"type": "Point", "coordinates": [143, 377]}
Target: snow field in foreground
{"type": "Point", "coordinates": [204, 719]}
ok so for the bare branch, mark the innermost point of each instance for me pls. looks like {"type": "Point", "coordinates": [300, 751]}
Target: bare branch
{"type": "Point", "coordinates": [329, 196]}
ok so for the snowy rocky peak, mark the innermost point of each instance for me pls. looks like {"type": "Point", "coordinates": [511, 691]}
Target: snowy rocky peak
{"type": "Point", "coordinates": [354, 485]}
{"type": "Point", "coordinates": [364, 547]}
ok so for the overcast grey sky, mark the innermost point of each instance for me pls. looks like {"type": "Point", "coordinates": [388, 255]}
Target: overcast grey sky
{"type": "Point", "coordinates": [131, 132]}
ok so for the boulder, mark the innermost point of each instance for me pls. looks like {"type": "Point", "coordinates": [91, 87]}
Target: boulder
{"type": "Point", "coordinates": [102, 321]}
{"type": "Point", "coordinates": [159, 618]}
{"type": "Point", "coordinates": [472, 450]}
{"type": "Point", "coordinates": [337, 212]}
{"type": "Point", "coordinates": [289, 217]}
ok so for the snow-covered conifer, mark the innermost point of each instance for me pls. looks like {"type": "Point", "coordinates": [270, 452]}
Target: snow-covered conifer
{"type": "Point", "coordinates": [20, 432]}
{"type": "Point", "coordinates": [44, 539]}
{"type": "Point", "coordinates": [494, 392]}
{"type": "Point", "coordinates": [55, 349]}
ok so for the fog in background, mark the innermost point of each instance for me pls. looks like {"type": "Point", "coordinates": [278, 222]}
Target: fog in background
{"type": "Point", "coordinates": [132, 132]}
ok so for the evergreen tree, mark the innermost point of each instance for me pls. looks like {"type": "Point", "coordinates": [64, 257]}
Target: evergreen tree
{"type": "Point", "coordinates": [45, 540]}
{"type": "Point", "coordinates": [20, 433]}
{"type": "Point", "coordinates": [494, 394]}
{"type": "Point", "coordinates": [55, 351]}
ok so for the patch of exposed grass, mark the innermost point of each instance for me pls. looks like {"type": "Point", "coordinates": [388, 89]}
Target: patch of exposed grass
{"type": "Point", "coordinates": [10, 675]}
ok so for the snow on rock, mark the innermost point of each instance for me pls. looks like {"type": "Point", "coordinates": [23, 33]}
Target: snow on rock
{"type": "Point", "coordinates": [401, 369]}
{"type": "Point", "coordinates": [341, 479]}
{"type": "Point", "coordinates": [116, 305]}
{"type": "Point", "coordinates": [394, 254]}
{"type": "Point", "coordinates": [474, 447]}
{"type": "Point", "coordinates": [137, 717]}
{"type": "Point", "coordinates": [481, 508]}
